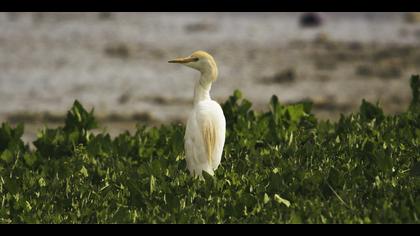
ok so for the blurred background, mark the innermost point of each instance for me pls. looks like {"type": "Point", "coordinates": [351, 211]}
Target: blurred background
{"type": "Point", "coordinates": [117, 63]}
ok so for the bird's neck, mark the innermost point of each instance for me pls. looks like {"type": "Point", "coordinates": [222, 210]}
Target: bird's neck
{"type": "Point", "coordinates": [203, 86]}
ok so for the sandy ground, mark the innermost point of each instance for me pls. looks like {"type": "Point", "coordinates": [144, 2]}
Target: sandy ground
{"type": "Point", "coordinates": [118, 63]}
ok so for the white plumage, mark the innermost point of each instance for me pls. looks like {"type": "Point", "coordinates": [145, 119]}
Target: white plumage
{"type": "Point", "coordinates": [206, 125]}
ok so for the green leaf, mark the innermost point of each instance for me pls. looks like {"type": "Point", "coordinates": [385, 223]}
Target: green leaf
{"type": "Point", "coordinates": [296, 112]}
{"type": "Point", "coordinates": [28, 206]}
{"type": "Point", "coordinates": [237, 93]}
{"type": "Point", "coordinates": [79, 119]}
{"type": "Point", "coordinates": [369, 111]}
{"type": "Point", "coordinates": [7, 156]}
{"type": "Point", "coordinates": [266, 198]}
{"type": "Point", "coordinates": [152, 184]}
{"type": "Point", "coordinates": [42, 182]}
{"type": "Point", "coordinates": [274, 103]}
{"type": "Point", "coordinates": [29, 158]}
{"type": "Point", "coordinates": [356, 170]}
{"type": "Point", "coordinates": [84, 171]}
{"type": "Point", "coordinates": [281, 200]}
{"type": "Point", "coordinates": [74, 137]}
{"type": "Point", "coordinates": [295, 218]}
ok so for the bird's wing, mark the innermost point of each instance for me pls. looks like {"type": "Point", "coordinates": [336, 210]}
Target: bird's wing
{"type": "Point", "coordinates": [208, 131]}
{"type": "Point", "coordinates": [211, 123]}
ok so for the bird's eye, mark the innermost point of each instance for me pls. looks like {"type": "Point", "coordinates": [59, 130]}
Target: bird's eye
{"type": "Point", "coordinates": [196, 59]}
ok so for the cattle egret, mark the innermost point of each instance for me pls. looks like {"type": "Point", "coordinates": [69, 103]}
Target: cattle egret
{"type": "Point", "coordinates": [206, 125]}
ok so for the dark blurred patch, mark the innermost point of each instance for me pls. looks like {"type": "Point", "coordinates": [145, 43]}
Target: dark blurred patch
{"type": "Point", "coordinates": [329, 103]}
{"type": "Point", "coordinates": [298, 44]}
{"type": "Point", "coordinates": [311, 19]}
{"type": "Point", "coordinates": [115, 117]}
{"type": "Point", "coordinates": [328, 53]}
{"type": "Point", "coordinates": [398, 100]}
{"type": "Point", "coordinates": [355, 46]}
{"type": "Point", "coordinates": [371, 60]}
{"type": "Point", "coordinates": [393, 52]}
{"type": "Point", "coordinates": [35, 117]}
{"type": "Point", "coordinates": [286, 76]}
{"type": "Point", "coordinates": [159, 100]}
{"type": "Point", "coordinates": [46, 117]}
{"type": "Point", "coordinates": [396, 55]}
{"type": "Point", "coordinates": [364, 70]}
{"type": "Point", "coordinates": [412, 17]}
{"type": "Point", "coordinates": [322, 77]}
{"type": "Point", "coordinates": [389, 69]}
{"type": "Point", "coordinates": [146, 117]}
{"type": "Point", "coordinates": [252, 54]}
{"type": "Point", "coordinates": [38, 17]}
{"type": "Point", "coordinates": [199, 27]}
{"type": "Point", "coordinates": [117, 50]}
{"type": "Point", "coordinates": [13, 16]}
{"type": "Point", "coordinates": [326, 63]}
{"type": "Point", "coordinates": [56, 17]}
{"type": "Point", "coordinates": [60, 62]}
{"type": "Point", "coordinates": [347, 56]}
{"type": "Point", "coordinates": [335, 107]}
{"type": "Point", "coordinates": [53, 118]}
{"type": "Point", "coordinates": [157, 53]}
{"type": "Point", "coordinates": [124, 98]}
{"type": "Point", "coordinates": [415, 169]}
{"type": "Point", "coordinates": [105, 15]}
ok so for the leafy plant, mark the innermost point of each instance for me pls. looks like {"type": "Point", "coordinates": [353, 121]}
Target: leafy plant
{"type": "Point", "coordinates": [279, 166]}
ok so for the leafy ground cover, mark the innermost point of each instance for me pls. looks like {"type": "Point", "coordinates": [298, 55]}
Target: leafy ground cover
{"type": "Point", "coordinates": [279, 166]}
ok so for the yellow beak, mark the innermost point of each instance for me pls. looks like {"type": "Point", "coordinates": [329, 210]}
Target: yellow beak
{"type": "Point", "coordinates": [183, 60]}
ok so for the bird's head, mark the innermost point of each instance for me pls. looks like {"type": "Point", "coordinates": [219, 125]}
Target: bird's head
{"type": "Point", "coordinates": [199, 60]}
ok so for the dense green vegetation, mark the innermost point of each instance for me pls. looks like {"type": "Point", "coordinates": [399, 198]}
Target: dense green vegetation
{"type": "Point", "coordinates": [281, 166]}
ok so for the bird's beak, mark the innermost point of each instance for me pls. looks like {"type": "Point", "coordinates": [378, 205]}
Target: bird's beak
{"type": "Point", "coordinates": [183, 60]}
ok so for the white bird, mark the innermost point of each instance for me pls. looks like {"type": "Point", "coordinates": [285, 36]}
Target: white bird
{"type": "Point", "coordinates": [206, 125]}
